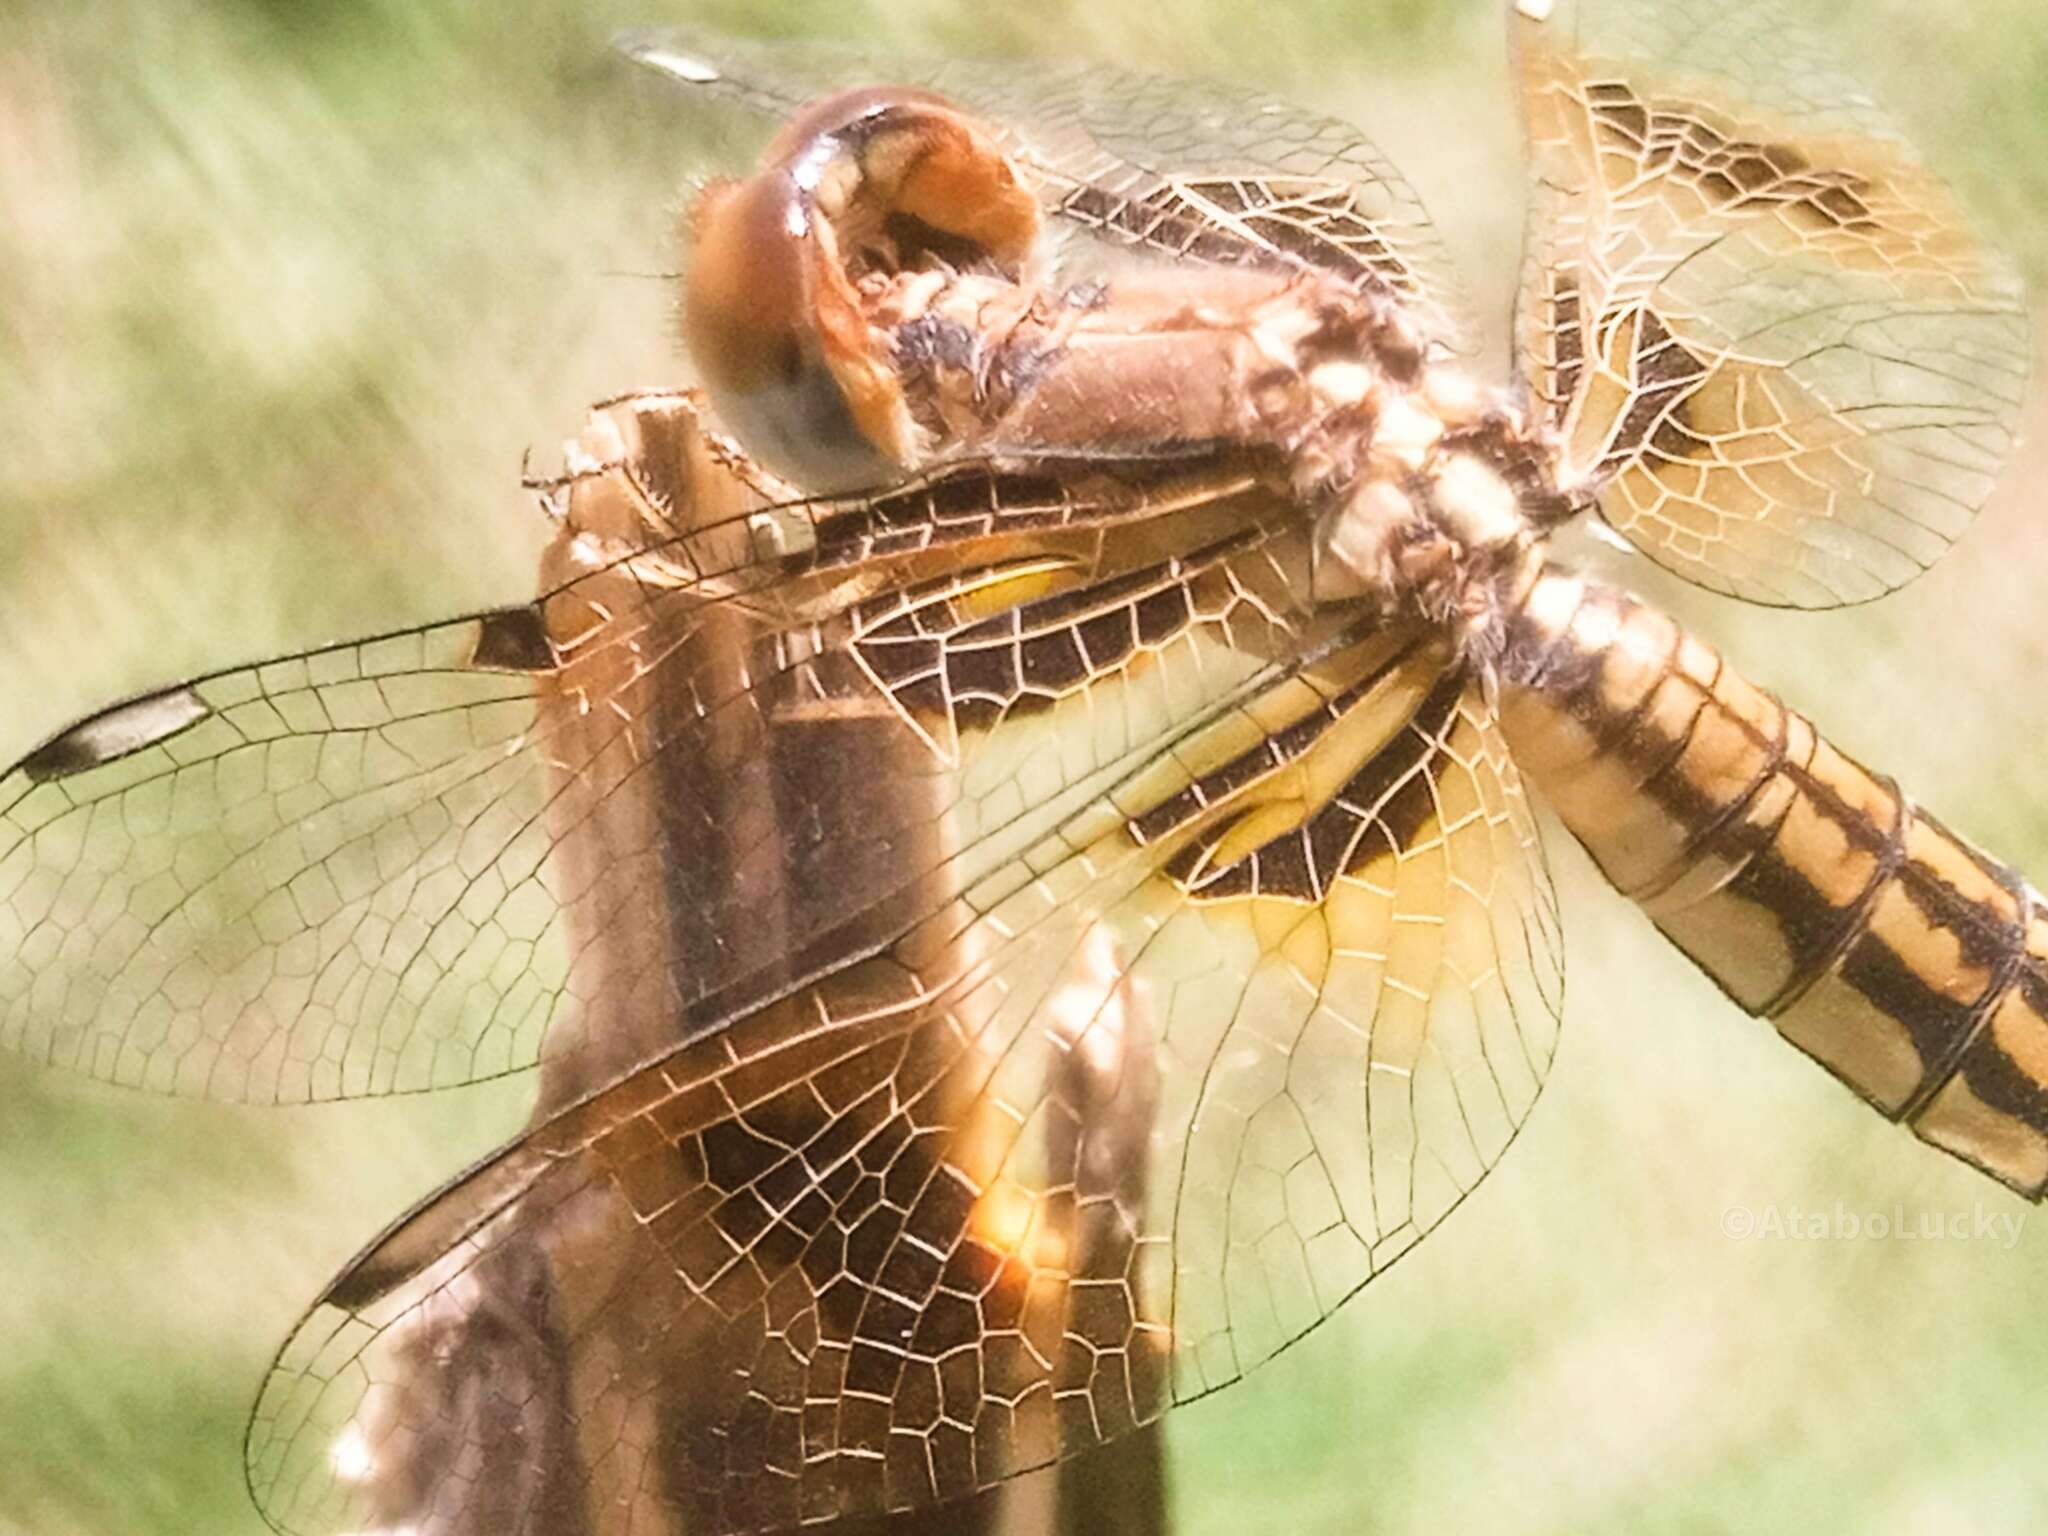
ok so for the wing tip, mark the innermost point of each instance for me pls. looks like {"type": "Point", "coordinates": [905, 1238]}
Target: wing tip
{"type": "Point", "coordinates": [666, 53]}
{"type": "Point", "coordinates": [115, 733]}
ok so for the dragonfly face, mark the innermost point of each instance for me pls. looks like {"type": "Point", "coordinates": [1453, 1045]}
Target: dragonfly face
{"type": "Point", "coordinates": [1017, 928]}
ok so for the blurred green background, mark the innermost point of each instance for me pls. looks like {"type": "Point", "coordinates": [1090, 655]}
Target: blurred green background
{"type": "Point", "coordinates": [285, 291]}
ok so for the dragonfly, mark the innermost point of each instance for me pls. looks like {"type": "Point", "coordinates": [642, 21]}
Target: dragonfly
{"type": "Point", "coordinates": [1008, 835]}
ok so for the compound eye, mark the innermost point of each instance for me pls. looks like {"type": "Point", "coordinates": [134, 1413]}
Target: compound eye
{"type": "Point", "coordinates": [775, 333]}
{"type": "Point", "coordinates": [859, 194]}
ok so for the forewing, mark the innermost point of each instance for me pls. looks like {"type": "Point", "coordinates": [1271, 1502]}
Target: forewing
{"type": "Point", "coordinates": [1768, 334]}
{"type": "Point", "coordinates": [1146, 1106]}
{"type": "Point", "coordinates": [310, 879]}
{"type": "Point", "coordinates": [379, 867]}
{"type": "Point", "coordinates": [1172, 167]}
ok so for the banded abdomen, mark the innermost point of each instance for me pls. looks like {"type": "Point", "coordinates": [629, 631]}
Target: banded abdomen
{"type": "Point", "coordinates": [1813, 891]}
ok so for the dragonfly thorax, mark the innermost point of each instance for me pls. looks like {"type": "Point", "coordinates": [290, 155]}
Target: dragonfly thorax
{"type": "Point", "coordinates": [1435, 504]}
{"type": "Point", "coordinates": [880, 300]}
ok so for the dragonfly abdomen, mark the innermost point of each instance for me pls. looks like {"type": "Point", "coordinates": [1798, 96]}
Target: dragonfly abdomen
{"type": "Point", "coordinates": [1814, 892]}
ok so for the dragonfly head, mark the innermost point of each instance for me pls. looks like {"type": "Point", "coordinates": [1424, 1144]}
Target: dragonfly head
{"type": "Point", "coordinates": [856, 191]}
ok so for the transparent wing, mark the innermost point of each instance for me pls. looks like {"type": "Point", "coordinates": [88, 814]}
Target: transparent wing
{"type": "Point", "coordinates": [1147, 1104]}
{"type": "Point", "coordinates": [279, 883]}
{"type": "Point", "coordinates": [1766, 331]}
{"type": "Point", "coordinates": [1181, 168]}
{"type": "Point", "coordinates": [372, 868]}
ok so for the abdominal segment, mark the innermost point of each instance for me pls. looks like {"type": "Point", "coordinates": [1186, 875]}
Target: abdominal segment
{"type": "Point", "coordinates": [1814, 892]}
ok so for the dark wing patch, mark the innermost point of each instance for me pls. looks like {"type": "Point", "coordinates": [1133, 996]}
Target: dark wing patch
{"type": "Point", "coordinates": [1094, 1142]}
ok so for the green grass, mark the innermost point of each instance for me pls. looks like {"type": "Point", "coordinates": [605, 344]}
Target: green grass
{"type": "Point", "coordinates": [285, 291]}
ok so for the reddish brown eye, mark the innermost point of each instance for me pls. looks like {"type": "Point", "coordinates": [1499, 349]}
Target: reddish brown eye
{"type": "Point", "coordinates": [751, 318]}
{"type": "Point", "coordinates": [870, 183]}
